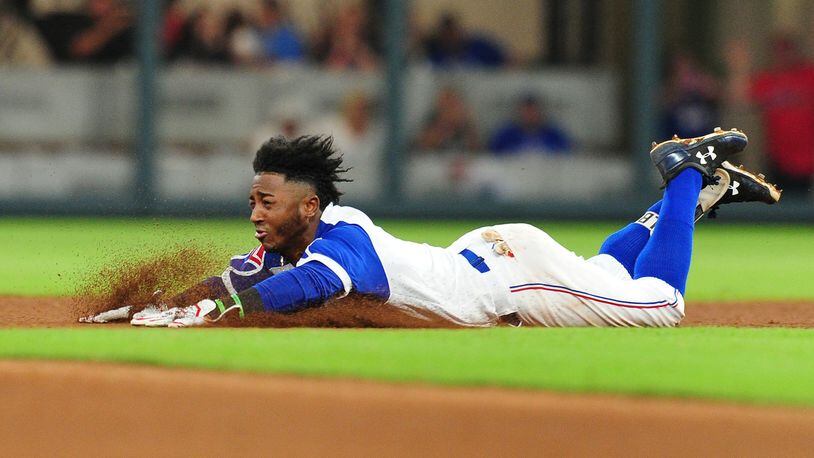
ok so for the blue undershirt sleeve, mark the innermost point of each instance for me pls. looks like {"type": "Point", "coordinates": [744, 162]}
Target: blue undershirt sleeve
{"type": "Point", "coordinates": [307, 285]}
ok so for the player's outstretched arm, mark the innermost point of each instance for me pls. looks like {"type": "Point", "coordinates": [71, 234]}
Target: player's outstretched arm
{"type": "Point", "coordinates": [210, 287]}
{"type": "Point", "coordinates": [242, 273]}
{"type": "Point", "coordinates": [305, 286]}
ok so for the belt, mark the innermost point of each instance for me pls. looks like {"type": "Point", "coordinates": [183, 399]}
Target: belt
{"type": "Point", "coordinates": [475, 261]}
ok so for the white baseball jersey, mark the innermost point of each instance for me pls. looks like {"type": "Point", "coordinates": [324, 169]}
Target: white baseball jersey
{"type": "Point", "coordinates": [505, 270]}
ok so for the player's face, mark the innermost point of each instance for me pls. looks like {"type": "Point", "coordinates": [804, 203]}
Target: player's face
{"type": "Point", "coordinates": [281, 213]}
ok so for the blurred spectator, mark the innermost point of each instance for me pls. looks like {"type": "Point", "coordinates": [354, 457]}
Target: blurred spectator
{"type": "Point", "coordinates": [102, 34]}
{"type": "Point", "coordinates": [243, 40]}
{"type": "Point", "coordinates": [530, 131]}
{"type": "Point", "coordinates": [279, 38]}
{"type": "Point", "coordinates": [286, 120]}
{"type": "Point", "coordinates": [243, 43]}
{"type": "Point", "coordinates": [450, 125]}
{"type": "Point", "coordinates": [174, 27]}
{"type": "Point", "coordinates": [205, 39]}
{"type": "Point", "coordinates": [20, 42]}
{"type": "Point", "coordinates": [451, 46]}
{"type": "Point", "coordinates": [784, 93]}
{"type": "Point", "coordinates": [690, 99]}
{"type": "Point", "coordinates": [287, 126]}
{"type": "Point", "coordinates": [346, 44]}
{"type": "Point", "coordinates": [360, 138]}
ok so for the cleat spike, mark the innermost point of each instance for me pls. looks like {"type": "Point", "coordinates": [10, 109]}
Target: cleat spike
{"type": "Point", "coordinates": [761, 176]}
{"type": "Point", "coordinates": [653, 145]}
{"type": "Point", "coordinates": [675, 137]}
{"type": "Point", "coordinates": [717, 129]}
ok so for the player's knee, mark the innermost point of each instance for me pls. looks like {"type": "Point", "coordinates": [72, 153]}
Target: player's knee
{"type": "Point", "coordinates": [673, 318]}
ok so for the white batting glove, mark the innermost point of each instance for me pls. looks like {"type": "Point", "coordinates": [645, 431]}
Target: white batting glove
{"type": "Point", "coordinates": [193, 315]}
{"type": "Point", "coordinates": [154, 316]}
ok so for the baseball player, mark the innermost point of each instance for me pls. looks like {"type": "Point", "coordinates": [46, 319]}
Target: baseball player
{"type": "Point", "coordinates": [313, 250]}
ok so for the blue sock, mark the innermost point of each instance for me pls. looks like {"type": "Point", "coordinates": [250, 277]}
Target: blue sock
{"type": "Point", "coordinates": [626, 243]}
{"type": "Point", "coordinates": [668, 252]}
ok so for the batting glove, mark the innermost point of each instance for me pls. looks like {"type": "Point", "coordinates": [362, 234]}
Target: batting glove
{"type": "Point", "coordinates": [194, 315]}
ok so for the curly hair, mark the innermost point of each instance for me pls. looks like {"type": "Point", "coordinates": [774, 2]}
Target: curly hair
{"type": "Point", "coordinates": [309, 159]}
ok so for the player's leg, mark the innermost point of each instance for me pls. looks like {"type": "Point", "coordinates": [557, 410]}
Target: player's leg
{"type": "Point", "coordinates": [686, 166]}
{"type": "Point", "coordinates": [549, 285]}
{"type": "Point", "coordinates": [625, 244]}
{"type": "Point", "coordinates": [731, 185]}
{"type": "Point", "coordinates": [702, 153]}
{"type": "Point", "coordinates": [667, 253]}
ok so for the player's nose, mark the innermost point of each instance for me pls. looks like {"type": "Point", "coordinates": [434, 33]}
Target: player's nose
{"type": "Point", "coordinates": [256, 216]}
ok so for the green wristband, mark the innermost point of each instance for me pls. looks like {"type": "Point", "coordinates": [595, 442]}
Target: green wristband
{"type": "Point", "coordinates": [219, 303]}
{"type": "Point", "coordinates": [236, 298]}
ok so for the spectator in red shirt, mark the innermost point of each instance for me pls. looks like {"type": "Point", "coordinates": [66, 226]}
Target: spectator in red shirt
{"type": "Point", "coordinates": [173, 28]}
{"type": "Point", "coordinates": [784, 93]}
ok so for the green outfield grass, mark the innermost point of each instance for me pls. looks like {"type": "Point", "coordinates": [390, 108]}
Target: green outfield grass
{"type": "Point", "coordinates": [732, 262]}
{"type": "Point", "coordinates": [49, 256]}
{"type": "Point", "coordinates": [750, 365]}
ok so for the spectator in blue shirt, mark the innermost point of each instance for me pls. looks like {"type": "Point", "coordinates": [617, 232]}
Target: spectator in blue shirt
{"type": "Point", "coordinates": [451, 46]}
{"type": "Point", "coordinates": [530, 131]}
{"type": "Point", "coordinates": [278, 37]}
{"type": "Point", "coordinates": [691, 98]}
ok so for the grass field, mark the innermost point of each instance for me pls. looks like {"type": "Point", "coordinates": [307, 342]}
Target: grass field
{"type": "Point", "coordinates": [730, 263]}
{"type": "Point", "coordinates": [48, 257]}
{"type": "Point", "coordinates": [752, 365]}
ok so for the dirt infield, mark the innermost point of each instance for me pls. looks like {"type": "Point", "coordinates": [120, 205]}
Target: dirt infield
{"type": "Point", "coordinates": [67, 408]}
{"type": "Point", "coordinates": [60, 311]}
{"type": "Point", "coordinates": [94, 409]}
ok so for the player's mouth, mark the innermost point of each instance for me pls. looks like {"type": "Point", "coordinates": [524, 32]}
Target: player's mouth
{"type": "Point", "coordinates": [260, 234]}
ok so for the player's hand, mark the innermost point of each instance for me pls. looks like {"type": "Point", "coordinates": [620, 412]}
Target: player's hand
{"type": "Point", "coordinates": [117, 314]}
{"type": "Point", "coordinates": [193, 315]}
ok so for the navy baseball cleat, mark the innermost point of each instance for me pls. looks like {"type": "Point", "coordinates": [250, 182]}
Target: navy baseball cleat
{"type": "Point", "coordinates": [735, 184]}
{"type": "Point", "coordinates": [704, 154]}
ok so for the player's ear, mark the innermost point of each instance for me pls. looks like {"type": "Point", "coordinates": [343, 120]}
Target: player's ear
{"type": "Point", "coordinates": [310, 205]}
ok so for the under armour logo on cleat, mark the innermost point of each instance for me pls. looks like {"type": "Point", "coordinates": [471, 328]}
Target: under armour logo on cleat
{"type": "Point", "coordinates": [734, 188]}
{"type": "Point", "coordinates": [710, 154]}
